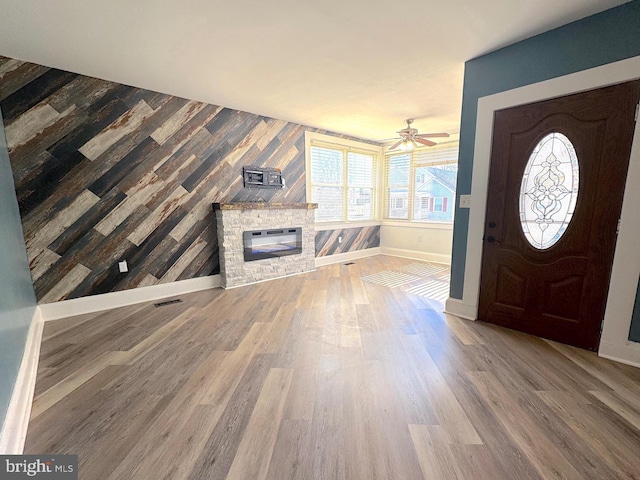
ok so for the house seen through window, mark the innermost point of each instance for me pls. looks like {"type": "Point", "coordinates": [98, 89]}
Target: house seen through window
{"type": "Point", "coordinates": [420, 185]}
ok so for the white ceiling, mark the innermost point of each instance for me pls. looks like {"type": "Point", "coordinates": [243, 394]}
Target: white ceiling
{"type": "Point", "coordinates": [358, 67]}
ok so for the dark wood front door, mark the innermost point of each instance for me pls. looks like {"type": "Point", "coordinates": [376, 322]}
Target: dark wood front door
{"type": "Point", "coordinates": [540, 274]}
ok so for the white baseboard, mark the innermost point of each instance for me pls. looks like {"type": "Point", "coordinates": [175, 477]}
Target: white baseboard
{"type": "Point", "coordinates": [107, 301]}
{"type": "Point", "coordinates": [14, 431]}
{"type": "Point", "coordinates": [347, 256]}
{"type": "Point", "coordinates": [424, 256]}
{"type": "Point", "coordinates": [628, 353]}
{"type": "Point", "coordinates": [453, 306]}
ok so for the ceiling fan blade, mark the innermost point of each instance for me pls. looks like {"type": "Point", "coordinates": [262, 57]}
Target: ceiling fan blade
{"type": "Point", "coordinates": [432, 135]}
{"type": "Point", "coordinates": [423, 141]}
{"type": "Point", "coordinates": [395, 145]}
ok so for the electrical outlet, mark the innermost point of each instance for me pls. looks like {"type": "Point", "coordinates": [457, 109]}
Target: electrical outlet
{"type": "Point", "coordinates": [124, 268]}
{"type": "Point", "coordinates": [339, 239]}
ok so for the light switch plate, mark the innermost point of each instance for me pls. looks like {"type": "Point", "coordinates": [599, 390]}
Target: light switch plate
{"type": "Point", "coordinates": [123, 266]}
{"type": "Point", "coordinates": [465, 201]}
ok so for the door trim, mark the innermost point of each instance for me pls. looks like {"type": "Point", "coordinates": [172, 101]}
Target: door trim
{"type": "Point", "coordinates": [626, 267]}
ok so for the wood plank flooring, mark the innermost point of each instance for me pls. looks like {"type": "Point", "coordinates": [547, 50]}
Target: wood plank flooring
{"type": "Point", "coordinates": [326, 376]}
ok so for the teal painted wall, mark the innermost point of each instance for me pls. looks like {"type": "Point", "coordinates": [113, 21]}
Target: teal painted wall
{"type": "Point", "coordinates": [17, 299]}
{"type": "Point", "coordinates": [604, 38]}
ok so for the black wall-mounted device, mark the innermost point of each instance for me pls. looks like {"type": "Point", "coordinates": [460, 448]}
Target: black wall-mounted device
{"type": "Point", "coordinates": [262, 177]}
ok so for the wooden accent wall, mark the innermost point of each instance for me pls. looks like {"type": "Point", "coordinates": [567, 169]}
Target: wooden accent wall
{"type": "Point", "coordinates": [106, 172]}
{"type": "Point", "coordinates": [352, 239]}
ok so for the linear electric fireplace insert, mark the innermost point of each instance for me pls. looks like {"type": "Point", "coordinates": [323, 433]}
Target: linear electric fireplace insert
{"type": "Point", "coordinates": [279, 242]}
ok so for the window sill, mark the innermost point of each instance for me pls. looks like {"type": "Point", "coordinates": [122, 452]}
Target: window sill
{"type": "Point", "coordinates": [410, 224]}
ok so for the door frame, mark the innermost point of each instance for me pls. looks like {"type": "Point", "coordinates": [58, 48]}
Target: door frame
{"type": "Point", "coordinates": [614, 342]}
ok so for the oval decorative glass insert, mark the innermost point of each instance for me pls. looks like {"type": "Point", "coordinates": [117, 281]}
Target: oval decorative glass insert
{"type": "Point", "coordinates": [549, 190]}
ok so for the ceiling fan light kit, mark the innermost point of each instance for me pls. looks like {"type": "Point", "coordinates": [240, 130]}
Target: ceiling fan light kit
{"type": "Point", "coordinates": [407, 145]}
{"type": "Point", "coordinates": [410, 138]}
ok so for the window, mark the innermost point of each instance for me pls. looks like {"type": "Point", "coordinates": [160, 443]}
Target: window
{"type": "Point", "coordinates": [342, 181]}
{"type": "Point", "coordinates": [425, 181]}
{"type": "Point", "coordinates": [439, 204]}
{"type": "Point", "coordinates": [549, 190]}
{"type": "Point", "coordinates": [397, 183]}
{"type": "Point", "coordinates": [398, 203]}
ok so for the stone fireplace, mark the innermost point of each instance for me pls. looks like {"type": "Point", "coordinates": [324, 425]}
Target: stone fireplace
{"type": "Point", "coordinates": [277, 238]}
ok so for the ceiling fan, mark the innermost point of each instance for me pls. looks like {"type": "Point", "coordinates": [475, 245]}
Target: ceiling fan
{"type": "Point", "coordinates": [410, 138]}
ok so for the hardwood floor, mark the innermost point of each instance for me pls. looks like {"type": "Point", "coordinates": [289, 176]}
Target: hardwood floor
{"type": "Point", "coordinates": [326, 376]}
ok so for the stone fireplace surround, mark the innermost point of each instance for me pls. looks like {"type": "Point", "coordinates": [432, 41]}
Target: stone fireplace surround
{"type": "Point", "coordinates": [235, 218]}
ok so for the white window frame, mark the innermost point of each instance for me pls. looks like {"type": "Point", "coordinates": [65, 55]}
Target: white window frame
{"type": "Point", "coordinates": [328, 141]}
{"type": "Point", "coordinates": [411, 221]}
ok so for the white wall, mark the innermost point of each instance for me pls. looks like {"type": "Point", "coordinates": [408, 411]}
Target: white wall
{"type": "Point", "coordinates": [431, 242]}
